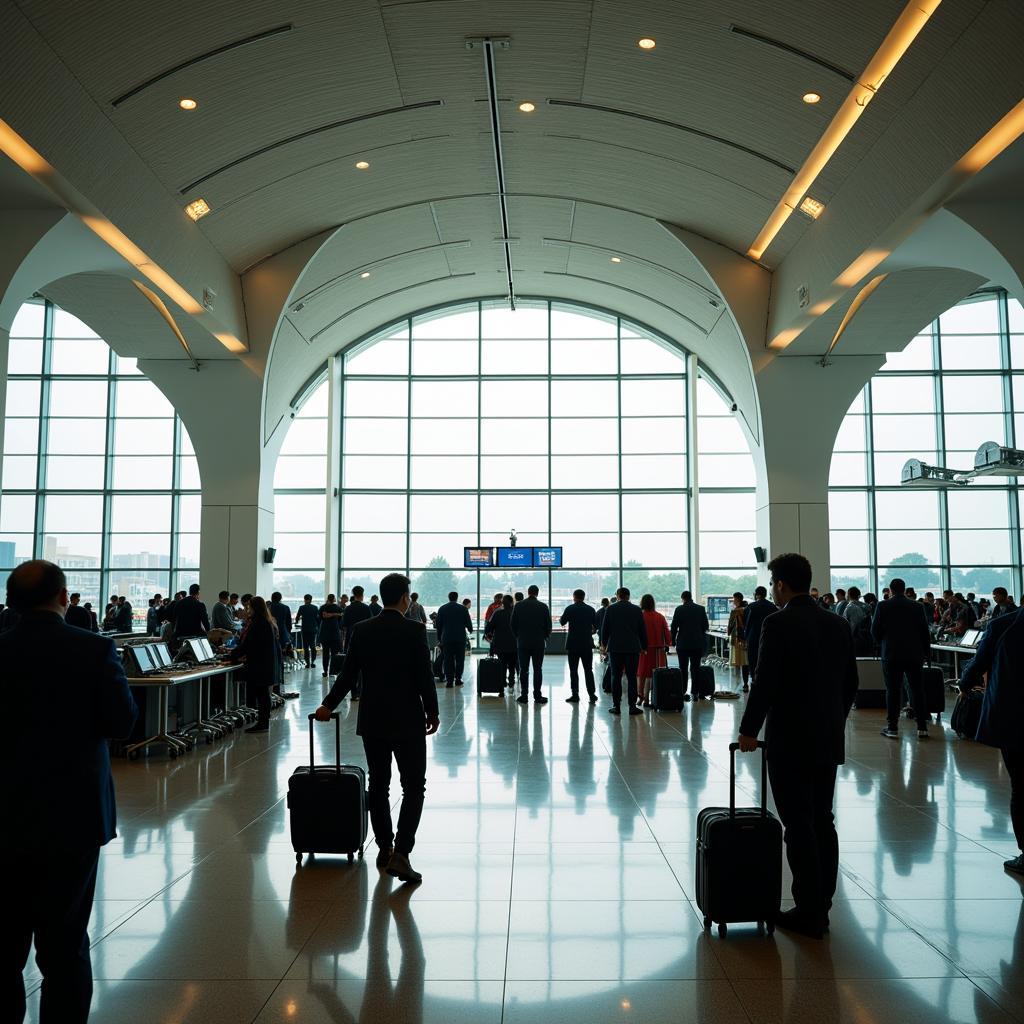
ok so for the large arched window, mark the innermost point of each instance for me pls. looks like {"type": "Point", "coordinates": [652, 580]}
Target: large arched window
{"type": "Point", "coordinates": [956, 385]}
{"type": "Point", "coordinates": [98, 471]}
{"type": "Point", "coordinates": [566, 423]}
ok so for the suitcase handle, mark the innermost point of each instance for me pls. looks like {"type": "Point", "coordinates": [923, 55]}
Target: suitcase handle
{"type": "Point", "coordinates": [733, 747]}
{"type": "Point", "coordinates": [337, 741]}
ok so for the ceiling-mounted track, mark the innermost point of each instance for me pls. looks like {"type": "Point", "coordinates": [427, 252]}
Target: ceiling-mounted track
{"type": "Point", "coordinates": [488, 45]}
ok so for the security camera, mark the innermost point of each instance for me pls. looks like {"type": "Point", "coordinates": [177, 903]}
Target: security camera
{"type": "Point", "coordinates": [734, 406]}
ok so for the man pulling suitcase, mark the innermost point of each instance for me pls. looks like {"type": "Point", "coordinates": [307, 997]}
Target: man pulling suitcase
{"type": "Point", "coordinates": [397, 712]}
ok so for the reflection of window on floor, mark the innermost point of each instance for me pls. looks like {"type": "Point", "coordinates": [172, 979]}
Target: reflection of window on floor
{"type": "Point", "coordinates": [566, 423]}
{"type": "Point", "coordinates": [956, 385]}
{"type": "Point", "coordinates": [99, 474]}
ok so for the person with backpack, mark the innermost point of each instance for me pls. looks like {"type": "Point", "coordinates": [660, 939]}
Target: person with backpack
{"type": "Point", "coordinates": [858, 616]}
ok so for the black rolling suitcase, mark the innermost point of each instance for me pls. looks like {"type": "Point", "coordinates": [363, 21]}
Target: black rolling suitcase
{"type": "Point", "coordinates": [704, 686]}
{"type": "Point", "coordinates": [327, 804]}
{"type": "Point", "coordinates": [739, 859]}
{"type": "Point", "coordinates": [335, 664]}
{"type": "Point", "coordinates": [437, 665]}
{"type": "Point", "coordinates": [490, 676]}
{"type": "Point", "coordinates": [934, 685]}
{"type": "Point", "coordinates": [606, 681]}
{"type": "Point", "coordinates": [667, 689]}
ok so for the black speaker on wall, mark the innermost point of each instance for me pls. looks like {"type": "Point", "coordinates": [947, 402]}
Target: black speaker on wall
{"type": "Point", "coordinates": [268, 555]}
{"type": "Point", "coordinates": [760, 555]}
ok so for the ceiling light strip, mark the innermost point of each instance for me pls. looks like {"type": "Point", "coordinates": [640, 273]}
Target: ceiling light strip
{"type": "Point", "coordinates": [499, 163]}
{"type": "Point", "coordinates": [795, 50]}
{"type": "Point", "coordinates": [689, 129]}
{"type": "Point", "coordinates": [343, 123]}
{"type": "Point", "coordinates": [161, 307]}
{"type": "Point", "coordinates": [861, 298]}
{"type": "Point", "coordinates": [896, 43]}
{"type": "Point", "coordinates": [209, 55]}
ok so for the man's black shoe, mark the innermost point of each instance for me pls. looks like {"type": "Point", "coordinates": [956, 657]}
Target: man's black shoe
{"type": "Point", "coordinates": [458, 682]}
{"type": "Point", "coordinates": [539, 698]}
{"type": "Point", "coordinates": [614, 710]}
{"type": "Point", "coordinates": [795, 921]}
{"type": "Point", "coordinates": [634, 710]}
{"type": "Point", "coordinates": [593, 698]}
{"type": "Point", "coordinates": [523, 699]}
{"type": "Point", "coordinates": [574, 699]}
{"type": "Point", "coordinates": [448, 686]}
{"type": "Point", "coordinates": [1015, 864]}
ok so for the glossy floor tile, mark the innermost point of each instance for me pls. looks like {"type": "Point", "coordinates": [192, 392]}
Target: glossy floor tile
{"type": "Point", "coordinates": [558, 847]}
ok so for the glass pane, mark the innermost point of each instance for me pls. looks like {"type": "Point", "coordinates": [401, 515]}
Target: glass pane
{"type": "Point", "coordinates": [525, 512]}
{"type": "Point", "coordinates": [303, 471]}
{"type": "Point", "coordinates": [662, 512]}
{"type": "Point", "coordinates": [572, 512]}
{"type": "Point", "coordinates": [583, 355]}
{"type": "Point", "coordinates": [971, 430]}
{"type": "Point", "coordinates": [189, 513]}
{"type": "Point", "coordinates": [972, 316]}
{"type": "Point", "coordinates": [23, 398]}
{"type": "Point", "coordinates": [643, 355]}
{"type": "Point", "coordinates": [441, 437]}
{"type": "Point", "coordinates": [513, 472]}
{"type": "Point", "coordinates": [139, 472]}
{"type": "Point", "coordinates": [902, 394]}
{"type": "Point", "coordinates": [908, 547]}
{"type": "Point", "coordinates": [440, 513]}
{"type": "Point", "coordinates": [653, 397]}
{"type": "Point", "coordinates": [900, 433]}
{"type": "Point", "coordinates": [28, 321]}
{"type": "Point", "coordinates": [188, 473]}
{"type": "Point", "coordinates": [140, 398]}
{"type": "Point", "coordinates": [367, 512]}
{"type": "Point", "coordinates": [368, 472]}
{"type": "Point", "coordinates": [847, 510]}
{"type": "Point", "coordinates": [584, 550]}
{"type": "Point", "coordinates": [529, 356]}
{"type": "Point", "coordinates": [71, 513]}
{"type": "Point", "coordinates": [656, 471]}
{"type": "Point", "coordinates": [425, 547]}
{"type": "Point", "coordinates": [726, 548]}
{"type": "Point", "coordinates": [464, 323]}
{"type": "Point", "coordinates": [296, 583]}
{"type": "Point", "coordinates": [440, 398]}
{"type": "Point", "coordinates": [308, 436]}
{"type": "Point", "coordinates": [66, 472]}
{"type": "Point", "coordinates": [188, 549]}
{"type": "Point", "coordinates": [19, 472]}
{"type": "Point", "coordinates": [17, 513]}
{"type": "Point", "coordinates": [376, 398]}
{"type": "Point", "coordinates": [848, 546]}
{"type": "Point", "coordinates": [596, 436]}
{"type": "Point", "coordinates": [128, 512]}
{"type": "Point", "coordinates": [978, 510]}
{"type": "Point", "coordinates": [651, 434]}
{"type": "Point", "coordinates": [21, 437]}
{"type": "Point", "coordinates": [315, 404]}
{"type": "Point", "coordinates": [71, 437]}
{"type": "Point", "coordinates": [524, 322]}
{"type": "Point", "coordinates": [723, 471]}
{"type": "Point", "coordinates": [727, 511]}
{"type": "Point", "coordinates": [721, 435]}
{"type": "Point", "coordinates": [964, 352]}
{"type": "Point", "coordinates": [852, 436]}
{"type": "Point", "coordinates": [78, 398]}
{"type": "Point", "coordinates": [25, 355]}
{"type": "Point", "coordinates": [67, 326]}
{"type": "Point", "coordinates": [847, 470]}
{"type": "Point", "coordinates": [143, 437]}
{"type": "Point", "coordinates": [142, 549]}
{"type": "Point", "coordinates": [446, 357]}
{"type": "Point", "coordinates": [916, 356]}
{"type": "Point", "coordinates": [299, 548]}
{"type": "Point", "coordinates": [889, 465]}
{"type": "Point", "coordinates": [584, 398]}
{"type": "Point", "coordinates": [514, 398]}
{"type": "Point", "coordinates": [376, 437]}
{"type": "Point", "coordinates": [979, 547]}
{"type": "Point", "coordinates": [14, 549]}
{"type": "Point", "coordinates": [655, 548]}
{"type": "Point", "coordinates": [299, 512]}
{"type": "Point", "coordinates": [80, 356]}
{"type": "Point", "coordinates": [569, 471]}
{"type": "Point", "coordinates": [440, 471]}
{"type": "Point", "coordinates": [572, 323]}
{"type": "Point", "coordinates": [389, 355]}
{"type": "Point", "coordinates": [514, 437]}
{"type": "Point", "coordinates": [972, 394]}
{"type": "Point", "coordinates": [908, 509]}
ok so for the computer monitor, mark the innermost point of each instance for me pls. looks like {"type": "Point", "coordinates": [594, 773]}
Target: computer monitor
{"type": "Point", "coordinates": [970, 638]}
{"type": "Point", "coordinates": [161, 654]}
{"type": "Point", "coordinates": [205, 648]}
{"type": "Point", "coordinates": [515, 558]}
{"type": "Point", "coordinates": [139, 661]}
{"type": "Point", "coordinates": [188, 653]}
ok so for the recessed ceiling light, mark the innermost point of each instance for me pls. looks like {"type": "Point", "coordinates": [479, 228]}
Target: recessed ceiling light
{"type": "Point", "coordinates": [197, 208]}
{"type": "Point", "coordinates": [187, 103]}
{"type": "Point", "coordinates": [616, 259]}
{"type": "Point", "coordinates": [812, 207]}
{"type": "Point", "coordinates": [647, 43]}
{"type": "Point", "coordinates": [812, 97]}
{"type": "Point", "coordinates": [527, 107]}
{"type": "Point", "coordinates": [365, 274]}
{"type": "Point", "coordinates": [362, 165]}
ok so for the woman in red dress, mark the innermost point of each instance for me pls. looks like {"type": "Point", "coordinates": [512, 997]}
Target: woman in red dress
{"type": "Point", "coordinates": [657, 648]}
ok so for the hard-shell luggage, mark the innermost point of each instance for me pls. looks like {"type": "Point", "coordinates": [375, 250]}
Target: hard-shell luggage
{"type": "Point", "coordinates": [437, 665]}
{"type": "Point", "coordinates": [934, 685]}
{"type": "Point", "coordinates": [667, 689]}
{"type": "Point", "coordinates": [739, 859]}
{"type": "Point", "coordinates": [490, 676]}
{"type": "Point", "coordinates": [335, 664]}
{"type": "Point", "coordinates": [967, 714]}
{"type": "Point", "coordinates": [327, 804]}
{"type": "Point", "coordinates": [704, 685]}
{"type": "Point", "coordinates": [606, 681]}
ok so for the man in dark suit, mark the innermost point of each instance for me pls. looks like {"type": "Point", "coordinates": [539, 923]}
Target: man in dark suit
{"type": "Point", "coordinates": [1000, 654]}
{"type": "Point", "coordinates": [689, 633]}
{"type": "Point", "coordinates": [900, 626]}
{"type": "Point", "coordinates": [57, 789]}
{"type": "Point", "coordinates": [531, 626]}
{"type": "Point", "coordinates": [624, 636]}
{"type": "Point", "coordinates": [190, 618]}
{"type": "Point", "coordinates": [124, 621]}
{"type": "Point", "coordinates": [453, 624]}
{"type": "Point", "coordinates": [330, 617]}
{"type": "Point", "coordinates": [579, 645]}
{"type": "Point", "coordinates": [758, 611]}
{"type": "Point", "coordinates": [356, 611]}
{"type": "Point", "coordinates": [77, 616]}
{"type": "Point", "coordinates": [398, 712]}
{"type": "Point", "coordinates": [283, 617]}
{"type": "Point", "coordinates": [308, 619]}
{"type": "Point", "coordinates": [806, 682]}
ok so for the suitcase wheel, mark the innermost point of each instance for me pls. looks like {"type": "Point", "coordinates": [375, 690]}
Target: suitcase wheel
{"type": "Point", "coordinates": [707, 923]}
{"type": "Point", "coordinates": [298, 860]}
{"type": "Point", "coordinates": [723, 930]}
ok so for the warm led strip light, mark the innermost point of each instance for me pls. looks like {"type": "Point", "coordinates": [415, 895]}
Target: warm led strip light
{"type": "Point", "coordinates": [914, 17]}
{"type": "Point", "coordinates": [33, 163]}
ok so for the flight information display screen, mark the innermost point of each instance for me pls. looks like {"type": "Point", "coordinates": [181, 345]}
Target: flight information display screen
{"type": "Point", "coordinates": [478, 558]}
{"type": "Point", "coordinates": [547, 558]}
{"type": "Point", "coordinates": [515, 558]}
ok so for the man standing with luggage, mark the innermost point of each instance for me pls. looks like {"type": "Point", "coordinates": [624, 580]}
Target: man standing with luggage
{"type": "Point", "coordinates": [624, 636]}
{"type": "Point", "coordinates": [689, 633]}
{"type": "Point", "coordinates": [1000, 654]}
{"type": "Point", "coordinates": [579, 645]}
{"type": "Point", "coordinates": [330, 631]}
{"type": "Point", "coordinates": [531, 626]}
{"type": "Point", "coordinates": [308, 620]}
{"type": "Point", "coordinates": [806, 682]}
{"type": "Point", "coordinates": [398, 711]}
{"type": "Point", "coordinates": [58, 791]}
{"type": "Point", "coordinates": [901, 628]}
{"type": "Point", "coordinates": [453, 625]}
{"type": "Point", "coordinates": [756, 614]}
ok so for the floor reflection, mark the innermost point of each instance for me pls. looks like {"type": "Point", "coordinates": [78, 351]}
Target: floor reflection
{"type": "Point", "coordinates": [558, 853]}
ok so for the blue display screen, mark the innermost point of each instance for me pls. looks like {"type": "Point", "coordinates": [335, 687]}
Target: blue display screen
{"type": "Point", "coordinates": [515, 558]}
{"type": "Point", "coordinates": [547, 558]}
